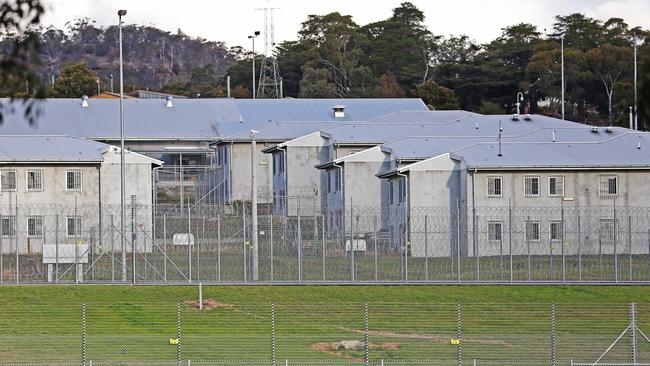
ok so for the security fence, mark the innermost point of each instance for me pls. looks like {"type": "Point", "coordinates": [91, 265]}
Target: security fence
{"type": "Point", "coordinates": [218, 333]}
{"type": "Point", "coordinates": [213, 243]}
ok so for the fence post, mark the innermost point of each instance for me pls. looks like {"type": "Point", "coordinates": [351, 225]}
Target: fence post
{"type": "Point", "coordinates": [629, 244]}
{"type": "Point", "coordinates": [367, 341]}
{"type": "Point", "coordinates": [376, 258]}
{"type": "Point", "coordinates": [164, 247]}
{"type": "Point", "coordinates": [476, 245]}
{"type": "Point", "coordinates": [615, 244]}
{"type": "Point", "coordinates": [189, 242]}
{"type": "Point", "coordinates": [273, 355]}
{"type": "Point", "coordinates": [16, 241]}
{"type": "Point", "coordinates": [426, 248]}
{"type": "Point", "coordinates": [2, 271]}
{"type": "Point", "coordinates": [323, 242]}
{"type": "Point", "coordinates": [112, 247]}
{"type": "Point", "coordinates": [271, 243]}
{"type": "Point", "coordinates": [633, 331]}
{"type": "Point", "coordinates": [459, 335]}
{"type": "Point", "coordinates": [527, 226]}
{"type": "Point", "coordinates": [352, 270]}
{"type": "Point", "coordinates": [219, 248]}
{"type": "Point", "coordinates": [579, 247]}
{"type": "Point", "coordinates": [458, 218]}
{"type": "Point", "coordinates": [553, 336]}
{"type": "Point", "coordinates": [299, 244]}
{"type": "Point", "coordinates": [510, 238]}
{"type": "Point", "coordinates": [178, 332]}
{"type": "Point", "coordinates": [83, 334]}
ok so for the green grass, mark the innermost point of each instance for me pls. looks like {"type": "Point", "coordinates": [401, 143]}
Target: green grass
{"type": "Point", "coordinates": [501, 324]}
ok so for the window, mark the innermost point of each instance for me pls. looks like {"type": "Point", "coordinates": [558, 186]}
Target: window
{"type": "Point", "coordinates": [401, 190]}
{"type": "Point", "coordinates": [330, 178]}
{"type": "Point", "coordinates": [556, 186]}
{"type": "Point", "coordinates": [495, 230]}
{"type": "Point", "coordinates": [8, 180]}
{"type": "Point", "coordinates": [607, 230]}
{"type": "Point", "coordinates": [281, 163]}
{"type": "Point", "coordinates": [73, 226]}
{"type": "Point", "coordinates": [35, 226]}
{"type": "Point", "coordinates": [8, 226]}
{"type": "Point", "coordinates": [34, 180]}
{"type": "Point", "coordinates": [532, 230]}
{"type": "Point", "coordinates": [73, 180]}
{"type": "Point", "coordinates": [494, 186]}
{"type": "Point", "coordinates": [555, 230]}
{"type": "Point", "coordinates": [531, 186]}
{"type": "Point", "coordinates": [391, 199]}
{"type": "Point", "coordinates": [337, 180]}
{"type": "Point", "coordinates": [608, 186]}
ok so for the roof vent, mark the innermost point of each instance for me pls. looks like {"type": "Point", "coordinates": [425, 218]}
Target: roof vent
{"type": "Point", "coordinates": [527, 117]}
{"type": "Point", "coordinates": [339, 111]}
{"type": "Point", "coordinates": [515, 117]}
{"type": "Point", "coordinates": [169, 103]}
{"type": "Point", "coordinates": [594, 129]}
{"type": "Point", "coordinates": [84, 101]}
{"type": "Point", "coordinates": [609, 129]}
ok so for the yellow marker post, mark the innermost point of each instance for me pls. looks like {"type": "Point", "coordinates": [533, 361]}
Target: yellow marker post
{"type": "Point", "coordinates": [455, 341]}
{"type": "Point", "coordinates": [173, 341]}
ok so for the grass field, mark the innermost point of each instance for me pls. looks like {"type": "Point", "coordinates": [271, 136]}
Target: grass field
{"type": "Point", "coordinates": [501, 325]}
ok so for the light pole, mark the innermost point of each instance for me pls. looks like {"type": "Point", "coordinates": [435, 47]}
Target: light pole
{"type": "Point", "coordinates": [636, 111]}
{"type": "Point", "coordinates": [120, 14]}
{"type": "Point", "coordinates": [254, 238]}
{"type": "Point", "coordinates": [255, 34]}
{"type": "Point", "coordinates": [562, 57]}
{"type": "Point", "coordinates": [520, 98]}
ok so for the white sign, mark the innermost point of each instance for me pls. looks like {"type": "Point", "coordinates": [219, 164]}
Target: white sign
{"type": "Point", "coordinates": [359, 245]}
{"type": "Point", "coordinates": [181, 239]}
{"type": "Point", "coordinates": [68, 253]}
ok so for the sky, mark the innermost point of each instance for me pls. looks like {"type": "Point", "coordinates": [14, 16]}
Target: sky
{"type": "Point", "coordinates": [232, 21]}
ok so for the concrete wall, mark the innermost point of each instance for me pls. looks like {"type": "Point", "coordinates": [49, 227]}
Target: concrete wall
{"type": "Point", "coordinates": [239, 176]}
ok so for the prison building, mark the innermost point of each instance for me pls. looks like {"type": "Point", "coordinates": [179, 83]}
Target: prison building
{"type": "Point", "coordinates": [66, 190]}
{"type": "Point", "coordinates": [535, 198]}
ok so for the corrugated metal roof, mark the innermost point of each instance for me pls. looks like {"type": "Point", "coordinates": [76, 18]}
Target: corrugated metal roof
{"type": "Point", "coordinates": [198, 119]}
{"type": "Point", "coordinates": [50, 149]}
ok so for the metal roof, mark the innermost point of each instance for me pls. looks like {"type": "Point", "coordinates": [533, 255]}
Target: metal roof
{"type": "Point", "coordinates": [50, 149]}
{"type": "Point", "coordinates": [189, 119]}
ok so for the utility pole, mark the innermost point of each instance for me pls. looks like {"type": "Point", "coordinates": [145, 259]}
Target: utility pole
{"type": "Point", "coordinates": [254, 241]}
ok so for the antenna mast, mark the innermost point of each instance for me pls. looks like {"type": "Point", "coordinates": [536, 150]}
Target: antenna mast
{"type": "Point", "coordinates": [269, 83]}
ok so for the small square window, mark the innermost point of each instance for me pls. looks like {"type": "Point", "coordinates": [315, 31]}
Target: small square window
{"type": "Point", "coordinates": [555, 231]}
{"type": "Point", "coordinates": [73, 226]}
{"type": "Point", "coordinates": [8, 226]}
{"type": "Point", "coordinates": [34, 180]}
{"type": "Point", "coordinates": [608, 186]}
{"type": "Point", "coordinates": [35, 226]}
{"type": "Point", "coordinates": [7, 180]}
{"type": "Point", "coordinates": [73, 180]}
{"type": "Point", "coordinates": [494, 186]}
{"type": "Point", "coordinates": [495, 230]}
{"type": "Point", "coordinates": [531, 186]}
{"type": "Point", "coordinates": [607, 230]}
{"type": "Point", "coordinates": [532, 230]}
{"type": "Point", "coordinates": [556, 186]}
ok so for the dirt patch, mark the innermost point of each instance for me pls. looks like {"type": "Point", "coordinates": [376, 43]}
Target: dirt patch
{"type": "Point", "coordinates": [334, 349]}
{"type": "Point", "coordinates": [208, 304]}
{"type": "Point", "coordinates": [432, 338]}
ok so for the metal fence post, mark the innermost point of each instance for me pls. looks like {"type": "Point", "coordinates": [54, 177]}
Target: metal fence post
{"type": "Point", "coordinates": [165, 247]}
{"type": "Point", "coordinates": [579, 247]}
{"type": "Point", "coordinates": [56, 251]}
{"type": "Point", "coordinates": [16, 242]}
{"type": "Point", "coordinates": [219, 248]}
{"type": "Point", "coordinates": [352, 270]}
{"type": "Point", "coordinates": [476, 245]}
{"type": "Point", "coordinates": [112, 248]}
{"type": "Point", "coordinates": [271, 244]}
{"type": "Point", "coordinates": [553, 336]}
{"type": "Point", "coordinates": [2, 271]}
{"type": "Point", "coordinates": [376, 254]}
{"type": "Point", "coordinates": [633, 331]}
{"type": "Point", "coordinates": [299, 244]}
{"type": "Point", "coordinates": [366, 339]}
{"type": "Point", "coordinates": [527, 237]}
{"type": "Point", "coordinates": [629, 244]}
{"type": "Point", "coordinates": [178, 332]}
{"type": "Point", "coordinates": [426, 248]}
{"type": "Point", "coordinates": [273, 355]}
{"type": "Point", "coordinates": [459, 335]}
{"type": "Point", "coordinates": [83, 334]}
{"type": "Point", "coordinates": [563, 241]}
{"type": "Point", "coordinates": [615, 245]}
{"type": "Point", "coordinates": [510, 238]}
{"type": "Point", "coordinates": [189, 242]}
{"type": "Point", "coordinates": [458, 218]}
{"type": "Point", "coordinates": [323, 244]}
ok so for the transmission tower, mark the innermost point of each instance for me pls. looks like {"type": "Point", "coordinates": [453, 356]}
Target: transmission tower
{"type": "Point", "coordinates": [269, 83]}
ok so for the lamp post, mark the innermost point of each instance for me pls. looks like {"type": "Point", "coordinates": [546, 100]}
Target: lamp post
{"type": "Point", "coordinates": [562, 58]}
{"type": "Point", "coordinates": [255, 34]}
{"type": "Point", "coordinates": [120, 14]}
{"type": "Point", "coordinates": [254, 239]}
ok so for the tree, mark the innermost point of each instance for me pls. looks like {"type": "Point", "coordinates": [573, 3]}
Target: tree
{"type": "Point", "coordinates": [315, 84]}
{"type": "Point", "coordinates": [291, 56]}
{"type": "Point", "coordinates": [609, 63]}
{"type": "Point", "coordinates": [436, 96]}
{"type": "Point", "coordinates": [75, 81]}
{"type": "Point", "coordinates": [488, 108]}
{"type": "Point", "coordinates": [17, 65]}
{"type": "Point", "coordinates": [580, 31]}
{"type": "Point", "coordinates": [389, 87]}
{"type": "Point", "coordinates": [241, 91]}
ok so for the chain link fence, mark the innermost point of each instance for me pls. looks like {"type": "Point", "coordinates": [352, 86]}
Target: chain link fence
{"type": "Point", "coordinates": [213, 243]}
{"type": "Point", "coordinates": [324, 334]}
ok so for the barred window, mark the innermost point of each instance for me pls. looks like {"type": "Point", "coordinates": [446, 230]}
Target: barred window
{"type": "Point", "coordinates": [401, 190]}
{"type": "Point", "coordinates": [495, 230]}
{"type": "Point", "coordinates": [532, 230]}
{"type": "Point", "coordinates": [556, 186]}
{"type": "Point", "coordinates": [35, 226]}
{"type": "Point", "coordinates": [337, 180]}
{"type": "Point", "coordinates": [608, 186]}
{"type": "Point", "coordinates": [607, 230]}
{"type": "Point", "coordinates": [34, 180]}
{"type": "Point", "coordinates": [8, 226]}
{"type": "Point", "coordinates": [8, 180]}
{"type": "Point", "coordinates": [391, 199]}
{"type": "Point", "coordinates": [73, 226]}
{"type": "Point", "coordinates": [73, 180]}
{"type": "Point", "coordinates": [555, 230]}
{"type": "Point", "coordinates": [531, 186]}
{"type": "Point", "coordinates": [494, 186]}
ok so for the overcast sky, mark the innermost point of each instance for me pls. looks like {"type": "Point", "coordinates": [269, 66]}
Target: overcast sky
{"type": "Point", "coordinates": [232, 21]}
